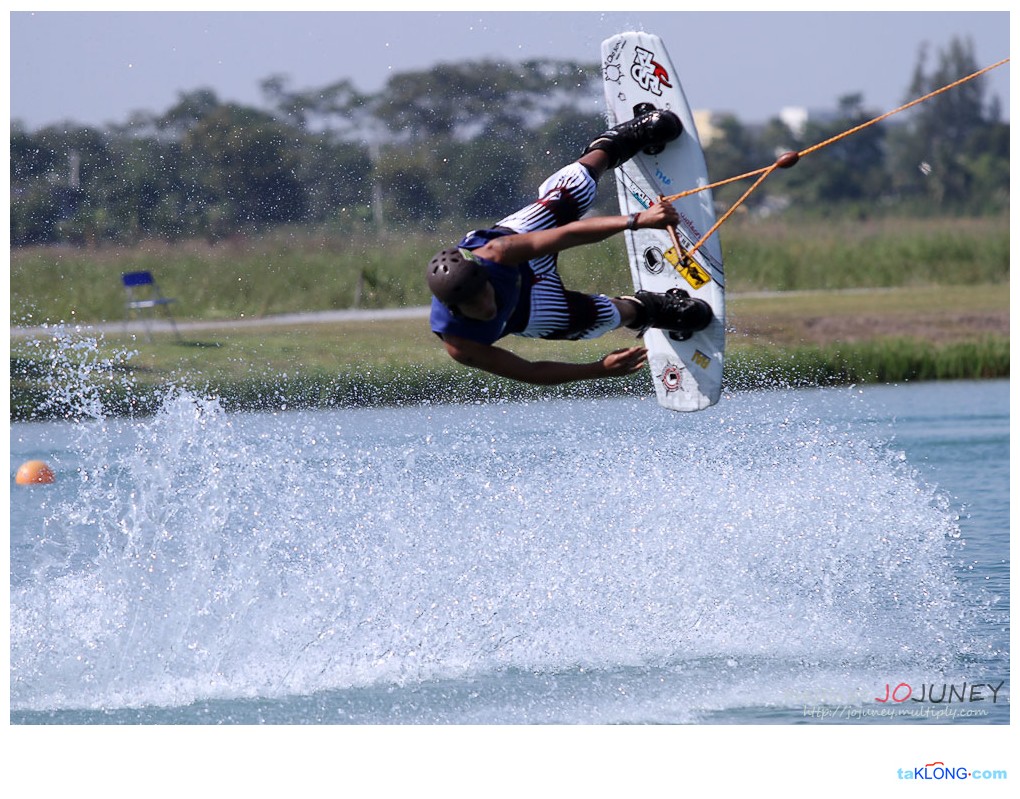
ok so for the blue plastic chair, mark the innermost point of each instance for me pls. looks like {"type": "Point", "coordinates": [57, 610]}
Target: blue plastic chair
{"type": "Point", "coordinates": [144, 297]}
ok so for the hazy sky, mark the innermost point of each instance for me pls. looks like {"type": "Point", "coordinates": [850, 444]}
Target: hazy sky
{"type": "Point", "coordinates": [96, 67]}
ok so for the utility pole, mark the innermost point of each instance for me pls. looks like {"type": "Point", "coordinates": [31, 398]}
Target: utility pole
{"type": "Point", "coordinates": [377, 196]}
{"type": "Point", "coordinates": [74, 169]}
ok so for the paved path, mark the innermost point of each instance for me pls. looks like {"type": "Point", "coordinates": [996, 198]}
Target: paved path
{"type": "Point", "coordinates": [160, 325]}
{"type": "Point", "coordinates": [279, 320]}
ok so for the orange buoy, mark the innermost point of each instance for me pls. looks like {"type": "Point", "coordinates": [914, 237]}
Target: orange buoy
{"type": "Point", "coordinates": [32, 472]}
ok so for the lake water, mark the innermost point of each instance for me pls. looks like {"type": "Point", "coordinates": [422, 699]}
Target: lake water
{"type": "Point", "coordinates": [785, 557]}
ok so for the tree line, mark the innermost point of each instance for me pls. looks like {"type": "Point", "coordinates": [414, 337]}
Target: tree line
{"type": "Point", "coordinates": [469, 141]}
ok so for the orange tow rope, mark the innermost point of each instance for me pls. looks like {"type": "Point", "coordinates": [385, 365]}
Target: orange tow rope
{"type": "Point", "coordinates": [787, 160]}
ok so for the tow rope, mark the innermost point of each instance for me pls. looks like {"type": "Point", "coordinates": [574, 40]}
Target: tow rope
{"type": "Point", "coordinates": [789, 159]}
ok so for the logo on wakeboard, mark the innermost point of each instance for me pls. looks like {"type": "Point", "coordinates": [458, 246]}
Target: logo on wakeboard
{"type": "Point", "coordinates": [701, 359]}
{"type": "Point", "coordinates": [649, 73]}
{"type": "Point", "coordinates": [689, 269]}
{"type": "Point", "coordinates": [671, 377]}
{"type": "Point", "coordinates": [653, 260]}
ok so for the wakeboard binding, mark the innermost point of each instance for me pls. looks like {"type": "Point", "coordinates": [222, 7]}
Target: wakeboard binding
{"type": "Point", "coordinates": [676, 312]}
{"type": "Point", "coordinates": [649, 131]}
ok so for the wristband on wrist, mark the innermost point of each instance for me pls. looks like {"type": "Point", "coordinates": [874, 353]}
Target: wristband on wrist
{"type": "Point", "coordinates": [632, 222]}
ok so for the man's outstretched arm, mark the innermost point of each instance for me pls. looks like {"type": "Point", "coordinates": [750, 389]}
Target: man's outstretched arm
{"type": "Point", "coordinates": [525, 246]}
{"type": "Point", "coordinates": [504, 363]}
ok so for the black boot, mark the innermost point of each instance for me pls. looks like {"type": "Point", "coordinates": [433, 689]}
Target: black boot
{"type": "Point", "coordinates": [650, 132]}
{"type": "Point", "coordinates": [675, 311]}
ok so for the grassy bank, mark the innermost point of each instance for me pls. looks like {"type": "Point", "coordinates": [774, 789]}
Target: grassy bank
{"type": "Point", "coordinates": [882, 300]}
{"type": "Point", "coordinates": [815, 338]}
{"type": "Point", "coordinates": [301, 271]}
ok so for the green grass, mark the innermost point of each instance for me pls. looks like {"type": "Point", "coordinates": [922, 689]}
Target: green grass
{"type": "Point", "coordinates": [291, 271]}
{"type": "Point", "coordinates": [874, 254]}
{"type": "Point", "coordinates": [255, 277]}
{"type": "Point", "coordinates": [893, 360]}
{"type": "Point", "coordinates": [947, 280]}
{"type": "Point", "coordinates": [401, 362]}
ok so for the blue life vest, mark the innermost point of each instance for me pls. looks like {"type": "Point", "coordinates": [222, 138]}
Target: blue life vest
{"type": "Point", "coordinates": [511, 283]}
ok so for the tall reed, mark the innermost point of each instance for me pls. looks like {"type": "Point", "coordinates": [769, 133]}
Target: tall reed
{"type": "Point", "coordinates": [300, 270]}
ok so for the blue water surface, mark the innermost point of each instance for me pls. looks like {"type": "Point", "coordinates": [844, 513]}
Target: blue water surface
{"type": "Point", "coordinates": [782, 557]}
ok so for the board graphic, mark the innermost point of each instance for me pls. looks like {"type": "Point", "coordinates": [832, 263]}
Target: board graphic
{"type": "Point", "coordinates": [638, 74]}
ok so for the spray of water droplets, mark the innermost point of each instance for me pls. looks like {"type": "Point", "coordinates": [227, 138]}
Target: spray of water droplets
{"type": "Point", "coordinates": [209, 555]}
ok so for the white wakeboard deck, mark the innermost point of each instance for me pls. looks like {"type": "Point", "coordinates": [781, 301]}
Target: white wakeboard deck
{"type": "Point", "coordinates": [636, 69]}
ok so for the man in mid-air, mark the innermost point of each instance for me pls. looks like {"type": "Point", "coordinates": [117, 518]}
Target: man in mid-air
{"type": "Point", "coordinates": [503, 280]}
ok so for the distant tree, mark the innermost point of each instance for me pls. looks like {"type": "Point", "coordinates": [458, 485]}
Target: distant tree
{"type": "Point", "coordinates": [31, 158]}
{"type": "Point", "coordinates": [935, 154]}
{"type": "Point", "coordinates": [562, 137]}
{"type": "Point", "coordinates": [336, 176]}
{"type": "Point", "coordinates": [290, 104]}
{"type": "Point", "coordinates": [461, 100]}
{"type": "Point", "coordinates": [987, 167]}
{"type": "Point", "coordinates": [337, 107]}
{"type": "Point", "coordinates": [411, 192]}
{"type": "Point", "coordinates": [241, 170]}
{"type": "Point", "coordinates": [190, 109]}
{"type": "Point", "coordinates": [35, 200]}
{"type": "Point", "coordinates": [775, 138]}
{"type": "Point", "coordinates": [734, 150]}
{"type": "Point", "coordinates": [147, 173]}
{"type": "Point", "coordinates": [850, 169]}
{"type": "Point", "coordinates": [478, 180]}
{"type": "Point", "coordinates": [59, 179]}
{"type": "Point", "coordinates": [35, 214]}
{"type": "Point", "coordinates": [470, 140]}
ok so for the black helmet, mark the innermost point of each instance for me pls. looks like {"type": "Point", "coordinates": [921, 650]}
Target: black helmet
{"type": "Point", "coordinates": [454, 278]}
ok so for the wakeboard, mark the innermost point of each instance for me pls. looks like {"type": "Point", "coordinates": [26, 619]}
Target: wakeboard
{"type": "Point", "coordinates": [639, 75]}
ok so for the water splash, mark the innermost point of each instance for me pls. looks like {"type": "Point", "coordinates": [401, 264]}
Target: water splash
{"type": "Point", "coordinates": [77, 374]}
{"type": "Point", "coordinates": [208, 555]}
